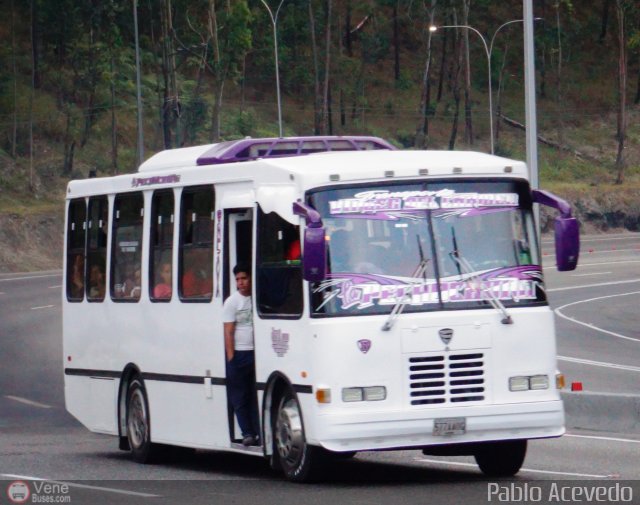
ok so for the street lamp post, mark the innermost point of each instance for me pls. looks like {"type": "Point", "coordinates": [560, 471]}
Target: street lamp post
{"type": "Point", "coordinates": [274, 22]}
{"type": "Point", "coordinates": [488, 49]}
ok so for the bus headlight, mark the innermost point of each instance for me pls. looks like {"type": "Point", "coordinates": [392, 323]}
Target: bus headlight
{"type": "Point", "coordinates": [369, 394]}
{"type": "Point", "coordinates": [539, 382]}
{"type": "Point", "coordinates": [375, 393]}
{"type": "Point", "coordinates": [528, 382]}
{"type": "Point", "coordinates": [518, 383]}
{"type": "Point", "coordinates": [352, 394]}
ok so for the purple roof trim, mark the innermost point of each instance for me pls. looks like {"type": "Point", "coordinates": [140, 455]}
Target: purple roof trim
{"type": "Point", "coordinates": [233, 151]}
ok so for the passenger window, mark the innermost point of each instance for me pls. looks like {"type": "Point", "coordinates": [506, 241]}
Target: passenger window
{"type": "Point", "coordinates": [76, 238]}
{"type": "Point", "coordinates": [97, 231]}
{"type": "Point", "coordinates": [279, 276]}
{"type": "Point", "coordinates": [126, 248]}
{"type": "Point", "coordinates": [160, 264]}
{"type": "Point", "coordinates": [196, 244]}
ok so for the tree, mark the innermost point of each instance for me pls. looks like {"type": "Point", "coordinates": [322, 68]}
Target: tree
{"type": "Point", "coordinates": [425, 106]}
{"type": "Point", "coordinates": [454, 82]}
{"type": "Point", "coordinates": [230, 38]}
{"type": "Point", "coordinates": [622, 90]}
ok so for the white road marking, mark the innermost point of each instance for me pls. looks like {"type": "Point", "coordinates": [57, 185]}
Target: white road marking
{"type": "Point", "coordinates": [81, 486]}
{"type": "Point", "coordinates": [591, 326]}
{"type": "Point", "coordinates": [28, 402]}
{"type": "Point", "coordinates": [584, 286]}
{"type": "Point", "coordinates": [58, 287]}
{"type": "Point", "coordinates": [42, 307]}
{"type": "Point", "coordinates": [592, 273]}
{"type": "Point", "coordinates": [529, 470]}
{"type": "Point", "coordinates": [598, 238]}
{"type": "Point", "coordinates": [604, 364]}
{"type": "Point", "coordinates": [608, 439]}
{"type": "Point", "coordinates": [608, 251]}
{"type": "Point", "coordinates": [613, 263]}
{"type": "Point", "coordinates": [29, 277]}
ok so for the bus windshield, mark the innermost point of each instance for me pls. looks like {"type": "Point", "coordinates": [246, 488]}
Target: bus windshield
{"type": "Point", "coordinates": [430, 246]}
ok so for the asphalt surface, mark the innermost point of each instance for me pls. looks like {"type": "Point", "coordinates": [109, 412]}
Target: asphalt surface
{"type": "Point", "coordinates": [597, 309]}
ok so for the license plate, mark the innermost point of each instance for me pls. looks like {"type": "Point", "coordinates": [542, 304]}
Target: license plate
{"type": "Point", "coordinates": [450, 426]}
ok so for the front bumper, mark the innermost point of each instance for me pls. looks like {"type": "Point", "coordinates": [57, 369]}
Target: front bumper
{"type": "Point", "coordinates": [396, 430]}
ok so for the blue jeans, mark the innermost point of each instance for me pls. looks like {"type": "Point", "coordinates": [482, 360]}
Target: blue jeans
{"type": "Point", "coordinates": [241, 388]}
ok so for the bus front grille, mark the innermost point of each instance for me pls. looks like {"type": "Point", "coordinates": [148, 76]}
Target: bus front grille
{"type": "Point", "coordinates": [446, 379]}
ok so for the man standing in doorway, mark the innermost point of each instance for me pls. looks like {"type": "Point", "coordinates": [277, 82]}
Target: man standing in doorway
{"type": "Point", "coordinates": [237, 318]}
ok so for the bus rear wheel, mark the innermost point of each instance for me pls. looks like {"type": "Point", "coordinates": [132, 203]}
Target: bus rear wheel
{"type": "Point", "coordinates": [501, 459]}
{"type": "Point", "coordinates": [299, 461]}
{"type": "Point", "coordinates": [138, 423]}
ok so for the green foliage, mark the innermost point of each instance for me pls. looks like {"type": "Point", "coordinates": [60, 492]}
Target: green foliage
{"type": "Point", "coordinates": [85, 71]}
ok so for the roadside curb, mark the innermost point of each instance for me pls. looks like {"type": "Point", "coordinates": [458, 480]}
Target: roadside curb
{"type": "Point", "coordinates": [602, 411]}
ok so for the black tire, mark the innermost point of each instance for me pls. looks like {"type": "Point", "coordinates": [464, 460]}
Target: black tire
{"type": "Point", "coordinates": [501, 459]}
{"type": "Point", "coordinates": [139, 424]}
{"type": "Point", "coordinates": [299, 461]}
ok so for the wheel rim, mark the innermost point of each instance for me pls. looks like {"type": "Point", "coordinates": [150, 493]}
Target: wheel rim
{"type": "Point", "coordinates": [137, 419]}
{"type": "Point", "coordinates": [289, 434]}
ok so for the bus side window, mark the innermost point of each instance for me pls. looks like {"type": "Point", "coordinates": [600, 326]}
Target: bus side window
{"type": "Point", "coordinates": [76, 238]}
{"type": "Point", "coordinates": [160, 260]}
{"type": "Point", "coordinates": [126, 247]}
{"type": "Point", "coordinates": [196, 244]}
{"type": "Point", "coordinates": [97, 230]}
{"type": "Point", "coordinates": [279, 273]}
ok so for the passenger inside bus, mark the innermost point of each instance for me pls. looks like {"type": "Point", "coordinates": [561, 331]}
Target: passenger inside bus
{"type": "Point", "coordinates": [197, 279]}
{"type": "Point", "coordinates": [77, 277]}
{"type": "Point", "coordinates": [162, 289]}
{"type": "Point", "coordinates": [96, 282]}
{"type": "Point", "coordinates": [131, 286]}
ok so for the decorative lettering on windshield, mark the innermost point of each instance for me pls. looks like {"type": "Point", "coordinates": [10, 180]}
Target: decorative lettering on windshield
{"type": "Point", "coordinates": [382, 204]}
{"type": "Point", "coordinates": [355, 291]}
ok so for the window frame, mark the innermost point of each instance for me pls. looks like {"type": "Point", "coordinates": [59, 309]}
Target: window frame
{"type": "Point", "coordinates": [296, 268]}
{"type": "Point", "coordinates": [76, 252]}
{"type": "Point", "coordinates": [114, 247]}
{"type": "Point", "coordinates": [153, 248]}
{"type": "Point", "coordinates": [191, 190]}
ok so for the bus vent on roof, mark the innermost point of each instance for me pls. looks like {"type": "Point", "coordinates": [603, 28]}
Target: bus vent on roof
{"type": "Point", "coordinates": [250, 149]}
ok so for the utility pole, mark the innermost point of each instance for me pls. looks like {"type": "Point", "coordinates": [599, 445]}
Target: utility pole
{"type": "Point", "coordinates": [530, 94]}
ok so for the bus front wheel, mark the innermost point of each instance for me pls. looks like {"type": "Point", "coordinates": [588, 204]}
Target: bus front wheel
{"type": "Point", "coordinates": [501, 459]}
{"type": "Point", "coordinates": [299, 461]}
{"type": "Point", "coordinates": [138, 427]}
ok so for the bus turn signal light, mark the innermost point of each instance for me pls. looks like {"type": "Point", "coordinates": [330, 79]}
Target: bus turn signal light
{"type": "Point", "coordinates": [323, 395]}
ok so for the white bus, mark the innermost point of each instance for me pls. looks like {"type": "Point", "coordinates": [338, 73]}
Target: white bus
{"type": "Point", "coordinates": [398, 301]}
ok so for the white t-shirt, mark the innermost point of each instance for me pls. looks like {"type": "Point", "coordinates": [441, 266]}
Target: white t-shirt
{"type": "Point", "coordinates": [237, 309]}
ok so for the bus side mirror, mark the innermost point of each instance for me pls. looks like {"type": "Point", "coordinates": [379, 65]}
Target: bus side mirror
{"type": "Point", "coordinates": [567, 230]}
{"type": "Point", "coordinates": [567, 235]}
{"type": "Point", "coordinates": [314, 253]}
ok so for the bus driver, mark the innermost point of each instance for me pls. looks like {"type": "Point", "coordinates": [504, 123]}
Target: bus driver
{"type": "Point", "coordinates": [237, 320]}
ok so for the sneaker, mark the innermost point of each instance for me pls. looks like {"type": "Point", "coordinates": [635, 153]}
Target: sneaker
{"type": "Point", "coordinates": [248, 440]}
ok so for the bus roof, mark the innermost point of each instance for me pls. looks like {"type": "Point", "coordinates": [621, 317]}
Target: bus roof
{"type": "Point", "coordinates": [234, 151]}
{"type": "Point", "coordinates": [179, 167]}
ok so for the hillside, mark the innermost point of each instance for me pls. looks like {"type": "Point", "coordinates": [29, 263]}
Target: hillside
{"type": "Point", "coordinates": [75, 110]}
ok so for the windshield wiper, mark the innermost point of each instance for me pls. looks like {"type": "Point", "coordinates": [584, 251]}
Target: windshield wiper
{"type": "Point", "coordinates": [465, 267]}
{"type": "Point", "coordinates": [420, 271]}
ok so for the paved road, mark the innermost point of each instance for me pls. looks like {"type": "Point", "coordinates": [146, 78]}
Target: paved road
{"type": "Point", "coordinates": [598, 313]}
{"type": "Point", "coordinates": [38, 439]}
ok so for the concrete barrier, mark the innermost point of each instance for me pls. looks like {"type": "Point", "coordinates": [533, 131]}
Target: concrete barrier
{"type": "Point", "coordinates": [619, 413]}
